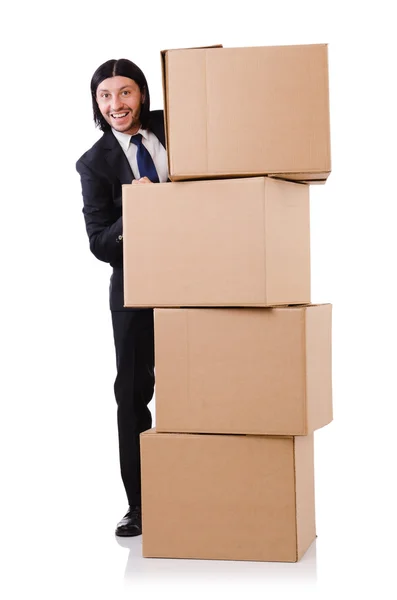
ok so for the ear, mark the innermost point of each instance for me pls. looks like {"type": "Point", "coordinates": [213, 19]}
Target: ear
{"type": "Point", "coordinates": [143, 96]}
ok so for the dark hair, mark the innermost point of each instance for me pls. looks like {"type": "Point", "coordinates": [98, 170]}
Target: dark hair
{"type": "Point", "coordinates": [125, 68]}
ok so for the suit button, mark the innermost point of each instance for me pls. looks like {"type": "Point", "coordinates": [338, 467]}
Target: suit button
{"type": "Point", "coordinates": [119, 238]}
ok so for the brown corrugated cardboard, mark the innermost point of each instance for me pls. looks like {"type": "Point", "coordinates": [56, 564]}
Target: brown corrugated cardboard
{"type": "Point", "coordinates": [227, 497]}
{"type": "Point", "coordinates": [233, 242]}
{"type": "Point", "coordinates": [254, 371]}
{"type": "Point", "coordinates": [163, 52]}
{"type": "Point", "coordinates": [234, 112]}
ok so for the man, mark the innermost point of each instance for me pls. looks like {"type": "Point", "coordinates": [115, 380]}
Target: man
{"type": "Point", "coordinates": [131, 150]}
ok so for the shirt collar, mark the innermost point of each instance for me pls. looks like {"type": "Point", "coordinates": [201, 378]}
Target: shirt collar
{"type": "Point", "coordinates": [124, 138]}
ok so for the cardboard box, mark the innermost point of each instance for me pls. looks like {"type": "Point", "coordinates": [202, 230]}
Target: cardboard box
{"type": "Point", "coordinates": [234, 112]}
{"type": "Point", "coordinates": [235, 242]}
{"type": "Point", "coordinates": [227, 497]}
{"type": "Point", "coordinates": [253, 371]}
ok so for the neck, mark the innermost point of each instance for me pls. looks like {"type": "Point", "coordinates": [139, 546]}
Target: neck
{"type": "Point", "coordinates": [134, 129]}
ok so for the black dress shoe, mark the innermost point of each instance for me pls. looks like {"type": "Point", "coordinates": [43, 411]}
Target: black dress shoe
{"type": "Point", "coordinates": [131, 523]}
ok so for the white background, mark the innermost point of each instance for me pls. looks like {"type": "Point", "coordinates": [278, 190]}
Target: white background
{"type": "Point", "coordinates": [61, 491]}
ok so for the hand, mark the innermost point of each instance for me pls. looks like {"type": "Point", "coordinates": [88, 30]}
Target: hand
{"type": "Point", "coordinates": [142, 180]}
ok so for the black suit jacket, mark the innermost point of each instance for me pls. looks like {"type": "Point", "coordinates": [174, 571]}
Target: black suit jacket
{"type": "Point", "coordinates": [103, 170]}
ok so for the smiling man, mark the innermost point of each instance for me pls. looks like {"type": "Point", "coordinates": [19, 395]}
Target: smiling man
{"type": "Point", "coordinates": [131, 150]}
{"type": "Point", "coordinates": [119, 100]}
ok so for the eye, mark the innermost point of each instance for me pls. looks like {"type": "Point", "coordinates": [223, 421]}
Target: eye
{"type": "Point", "coordinates": [125, 92]}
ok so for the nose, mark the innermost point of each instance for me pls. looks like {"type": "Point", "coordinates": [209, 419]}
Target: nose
{"type": "Point", "coordinates": [116, 103]}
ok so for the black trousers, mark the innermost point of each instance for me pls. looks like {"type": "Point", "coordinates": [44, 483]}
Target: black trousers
{"type": "Point", "coordinates": [133, 388]}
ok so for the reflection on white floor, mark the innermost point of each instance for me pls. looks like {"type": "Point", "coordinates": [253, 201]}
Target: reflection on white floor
{"type": "Point", "coordinates": [137, 568]}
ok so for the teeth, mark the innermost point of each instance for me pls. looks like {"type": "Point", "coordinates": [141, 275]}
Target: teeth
{"type": "Point", "coordinates": [119, 116]}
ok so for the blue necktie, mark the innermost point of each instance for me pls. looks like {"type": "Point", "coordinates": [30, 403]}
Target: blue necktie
{"type": "Point", "coordinates": [145, 162]}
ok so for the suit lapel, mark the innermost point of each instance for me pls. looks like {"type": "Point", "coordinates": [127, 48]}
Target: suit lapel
{"type": "Point", "coordinates": [116, 159]}
{"type": "Point", "coordinates": [158, 131]}
{"type": "Point", "coordinates": [156, 124]}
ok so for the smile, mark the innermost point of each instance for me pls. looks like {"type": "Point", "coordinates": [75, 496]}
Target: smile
{"type": "Point", "coordinates": [118, 115]}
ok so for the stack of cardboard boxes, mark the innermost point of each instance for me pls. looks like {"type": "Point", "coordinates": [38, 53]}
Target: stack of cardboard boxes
{"type": "Point", "coordinates": [243, 359]}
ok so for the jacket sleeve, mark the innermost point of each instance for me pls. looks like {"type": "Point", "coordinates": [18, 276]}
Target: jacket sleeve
{"type": "Point", "coordinates": [104, 227]}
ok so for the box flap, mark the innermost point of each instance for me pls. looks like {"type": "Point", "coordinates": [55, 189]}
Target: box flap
{"type": "Point", "coordinates": [287, 235]}
{"type": "Point", "coordinates": [165, 81]}
{"type": "Point", "coordinates": [318, 334]}
{"type": "Point", "coordinates": [304, 493]}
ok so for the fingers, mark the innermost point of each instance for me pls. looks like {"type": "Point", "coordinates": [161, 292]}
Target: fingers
{"type": "Point", "coordinates": [142, 180]}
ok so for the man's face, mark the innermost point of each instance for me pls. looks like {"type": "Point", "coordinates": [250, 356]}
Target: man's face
{"type": "Point", "coordinates": [119, 100]}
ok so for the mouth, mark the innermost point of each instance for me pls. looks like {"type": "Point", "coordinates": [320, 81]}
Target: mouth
{"type": "Point", "coordinates": [120, 115]}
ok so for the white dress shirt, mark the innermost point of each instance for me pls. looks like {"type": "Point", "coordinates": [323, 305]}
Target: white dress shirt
{"type": "Point", "coordinates": [154, 147]}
